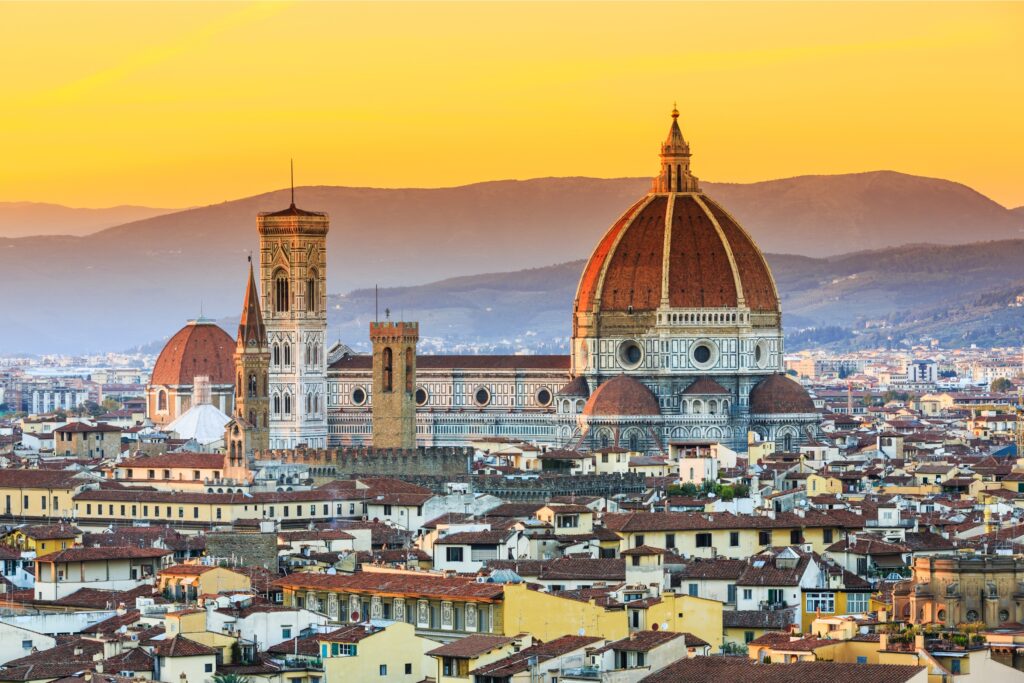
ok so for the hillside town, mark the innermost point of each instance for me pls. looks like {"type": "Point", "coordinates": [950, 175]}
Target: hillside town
{"type": "Point", "coordinates": [674, 499]}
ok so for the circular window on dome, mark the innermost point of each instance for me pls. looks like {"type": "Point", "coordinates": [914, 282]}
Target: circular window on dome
{"type": "Point", "coordinates": [630, 354]}
{"type": "Point", "coordinates": [359, 396]}
{"type": "Point", "coordinates": [703, 355]}
{"type": "Point", "coordinates": [761, 353]}
{"type": "Point", "coordinates": [544, 397]}
{"type": "Point", "coordinates": [482, 396]}
{"type": "Point", "coordinates": [421, 396]}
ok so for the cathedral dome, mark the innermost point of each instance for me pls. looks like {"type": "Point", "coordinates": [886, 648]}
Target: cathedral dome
{"type": "Point", "coordinates": [678, 247]}
{"type": "Point", "coordinates": [622, 395]}
{"type": "Point", "coordinates": [779, 395]}
{"type": "Point", "coordinates": [200, 348]}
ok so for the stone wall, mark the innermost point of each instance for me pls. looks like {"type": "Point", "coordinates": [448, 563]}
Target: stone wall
{"type": "Point", "coordinates": [250, 549]}
{"type": "Point", "coordinates": [363, 460]}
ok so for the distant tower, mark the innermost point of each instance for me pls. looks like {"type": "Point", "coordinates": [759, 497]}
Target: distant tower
{"type": "Point", "coordinates": [394, 383]}
{"type": "Point", "coordinates": [251, 427]}
{"type": "Point", "coordinates": [293, 275]}
{"type": "Point", "coordinates": [675, 173]}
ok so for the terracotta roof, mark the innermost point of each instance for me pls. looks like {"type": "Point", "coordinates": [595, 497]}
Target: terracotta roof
{"type": "Point", "coordinates": [108, 553]}
{"type": "Point", "coordinates": [778, 394]}
{"type": "Point", "coordinates": [622, 395]}
{"type": "Point", "coordinates": [705, 386]}
{"type": "Point", "coordinates": [642, 550]}
{"type": "Point", "coordinates": [470, 646]}
{"type": "Point", "coordinates": [199, 461]}
{"type": "Point", "coordinates": [56, 479]}
{"type": "Point", "coordinates": [381, 583]}
{"type": "Point", "coordinates": [577, 386]}
{"type": "Point", "coordinates": [43, 532]}
{"type": "Point", "coordinates": [292, 210]}
{"type": "Point", "coordinates": [583, 569]}
{"type": "Point", "coordinates": [626, 267]}
{"type": "Point", "coordinates": [703, 669]}
{"type": "Point", "coordinates": [180, 646]}
{"type": "Point", "coordinates": [541, 652]}
{"type": "Point", "coordinates": [200, 348]}
{"type": "Point", "coordinates": [644, 641]}
{"type": "Point", "coordinates": [83, 428]}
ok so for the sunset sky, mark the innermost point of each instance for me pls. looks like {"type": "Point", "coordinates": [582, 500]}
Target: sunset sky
{"type": "Point", "coordinates": [178, 104]}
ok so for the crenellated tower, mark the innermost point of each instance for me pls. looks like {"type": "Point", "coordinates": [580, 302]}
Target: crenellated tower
{"type": "Point", "coordinates": [293, 275]}
{"type": "Point", "coordinates": [394, 383]}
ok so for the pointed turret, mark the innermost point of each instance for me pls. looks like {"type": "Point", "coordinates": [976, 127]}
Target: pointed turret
{"type": "Point", "coordinates": [675, 173]}
{"type": "Point", "coordinates": [251, 329]}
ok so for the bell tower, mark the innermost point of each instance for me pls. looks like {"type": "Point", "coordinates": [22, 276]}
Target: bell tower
{"type": "Point", "coordinates": [293, 277]}
{"type": "Point", "coordinates": [394, 383]}
{"type": "Point", "coordinates": [251, 425]}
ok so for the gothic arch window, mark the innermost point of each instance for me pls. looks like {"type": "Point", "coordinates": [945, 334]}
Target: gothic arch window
{"type": "Point", "coordinates": [634, 441]}
{"type": "Point", "coordinates": [309, 403]}
{"type": "Point", "coordinates": [410, 358]}
{"type": "Point", "coordinates": [311, 291]}
{"type": "Point", "coordinates": [161, 400]}
{"type": "Point", "coordinates": [252, 417]}
{"type": "Point", "coordinates": [238, 386]}
{"type": "Point", "coordinates": [287, 353]}
{"type": "Point", "coordinates": [287, 404]}
{"type": "Point", "coordinates": [787, 442]}
{"type": "Point", "coordinates": [277, 353]}
{"type": "Point", "coordinates": [281, 291]}
{"type": "Point", "coordinates": [387, 372]}
{"type": "Point", "coordinates": [252, 386]}
{"type": "Point", "coordinates": [277, 404]}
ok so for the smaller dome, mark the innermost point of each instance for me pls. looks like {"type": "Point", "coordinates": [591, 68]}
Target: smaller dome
{"type": "Point", "coordinates": [704, 386]}
{"type": "Point", "coordinates": [622, 395]}
{"type": "Point", "coordinates": [576, 387]}
{"type": "Point", "coordinates": [779, 395]}
{"type": "Point", "coordinates": [204, 423]}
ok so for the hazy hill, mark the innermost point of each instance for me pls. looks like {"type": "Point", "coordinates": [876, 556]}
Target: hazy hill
{"type": "Point", "coordinates": [957, 294]}
{"type": "Point", "coordinates": [25, 219]}
{"type": "Point", "coordinates": [137, 282]}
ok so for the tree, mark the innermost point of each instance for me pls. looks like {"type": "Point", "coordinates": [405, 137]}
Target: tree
{"type": "Point", "coordinates": [1000, 385]}
{"type": "Point", "coordinates": [687, 488]}
{"type": "Point", "coordinates": [229, 678]}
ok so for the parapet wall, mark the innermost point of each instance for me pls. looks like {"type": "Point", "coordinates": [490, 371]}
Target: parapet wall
{"type": "Point", "coordinates": [363, 460]}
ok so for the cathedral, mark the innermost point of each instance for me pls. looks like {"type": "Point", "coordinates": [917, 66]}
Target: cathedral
{"type": "Point", "coordinates": [676, 336]}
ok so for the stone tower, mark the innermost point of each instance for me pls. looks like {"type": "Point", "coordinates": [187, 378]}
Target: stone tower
{"type": "Point", "coordinates": [293, 276]}
{"type": "Point", "coordinates": [252, 379]}
{"type": "Point", "coordinates": [394, 383]}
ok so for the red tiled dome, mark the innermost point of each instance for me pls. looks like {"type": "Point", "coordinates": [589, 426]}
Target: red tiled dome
{"type": "Point", "coordinates": [622, 395]}
{"type": "Point", "coordinates": [704, 386]}
{"type": "Point", "coordinates": [779, 395]}
{"type": "Point", "coordinates": [711, 260]}
{"type": "Point", "coordinates": [199, 348]}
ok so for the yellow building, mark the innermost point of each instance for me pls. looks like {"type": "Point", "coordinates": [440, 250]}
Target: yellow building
{"type": "Point", "coordinates": [362, 652]}
{"type": "Point", "coordinates": [44, 538]}
{"type": "Point", "coordinates": [439, 606]}
{"type": "Point", "coordinates": [456, 659]}
{"type": "Point", "coordinates": [723, 534]}
{"type": "Point", "coordinates": [191, 624]}
{"type": "Point", "coordinates": [39, 494]}
{"type": "Point", "coordinates": [186, 582]}
{"type": "Point", "coordinates": [567, 519]}
{"type": "Point", "coordinates": [546, 616]}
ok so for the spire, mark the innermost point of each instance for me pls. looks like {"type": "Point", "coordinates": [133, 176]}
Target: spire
{"type": "Point", "coordinates": [675, 173]}
{"type": "Point", "coordinates": [291, 164]}
{"type": "Point", "coordinates": [251, 328]}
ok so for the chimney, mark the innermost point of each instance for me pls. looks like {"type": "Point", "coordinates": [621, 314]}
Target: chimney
{"type": "Point", "coordinates": [78, 651]}
{"type": "Point", "coordinates": [883, 641]}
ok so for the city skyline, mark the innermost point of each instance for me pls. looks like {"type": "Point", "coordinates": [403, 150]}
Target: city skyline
{"type": "Point", "coordinates": [189, 104]}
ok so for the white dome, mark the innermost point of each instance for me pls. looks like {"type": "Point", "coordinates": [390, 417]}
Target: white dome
{"type": "Point", "coordinates": [204, 422]}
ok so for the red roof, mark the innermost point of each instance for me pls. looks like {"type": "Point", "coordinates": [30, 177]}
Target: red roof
{"type": "Point", "coordinates": [200, 348]}
{"type": "Point", "coordinates": [625, 269]}
{"type": "Point", "coordinates": [381, 583]}
{"type": "Point", "coordinates": [778, 394]}
{"type": "Point", "coordinates": [110, 553]}
{"type": "Point", "coordinates": [622, 395]}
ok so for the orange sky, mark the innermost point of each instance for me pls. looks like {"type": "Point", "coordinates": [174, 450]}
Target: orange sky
{"type": "Point", "coordinates": [176, 104]}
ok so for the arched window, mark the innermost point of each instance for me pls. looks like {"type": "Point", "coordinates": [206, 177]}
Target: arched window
{"type": "Point", "coordinates": [787, 442]}
{"type": "Point", "coordinates": [277, 354]}
{"type": "Point", "coordinates": [387, 364]}
{"type": "Point", "coordinates": [287, 404]}
{"type": "Point", "coordinates": [287, 353]}
{"type": "Point", "coordinates": [634, 441]}
{"type": "Point", "coordinates": [252, 418]}
{"type": "Point", "coordinates": [238, 386]}
{"type": "Point", "coordinates": [410, 358]}
{"type": "Point", "coordinates": [309, 403]}
{"type": "Point", "coordinates": [252, 385]}
{"type": "Point", "coordinates": [277, 404]}
{"type": "Point", "coordinates": [311, 292]}
{"type": "Point", "coordinates": [604, 439]}
{"type": "Point", "coordinates": [712, 407]}
{"type": "Point", "coordinates": [266, 420]}
{"type": "Point", "coordinates": [281, 291]}
{"type": "Point", "coordinates": [161, 400]}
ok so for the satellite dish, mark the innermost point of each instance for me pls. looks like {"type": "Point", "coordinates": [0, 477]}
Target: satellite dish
{"type": "Point", "coordinates": [582, 631]}
{"type": "Point", "coordinates": [664, 626]}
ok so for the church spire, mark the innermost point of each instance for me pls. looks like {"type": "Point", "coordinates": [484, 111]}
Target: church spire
{"type": "Point", "coordinates": [251, 328]}
{"type": "Point", "coordinates": [675, 173]}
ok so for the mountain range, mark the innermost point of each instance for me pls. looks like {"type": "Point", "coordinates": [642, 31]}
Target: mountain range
{"type": "Point", "coordinates": [28, 219]}
{"type": "Point", "coordinates": [133, 283]}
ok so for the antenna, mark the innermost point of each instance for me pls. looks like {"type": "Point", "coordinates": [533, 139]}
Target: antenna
{"type": "Point", "coordinates": [376, 304]}
{"type": "Point", "coordinates": [291, 163]}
